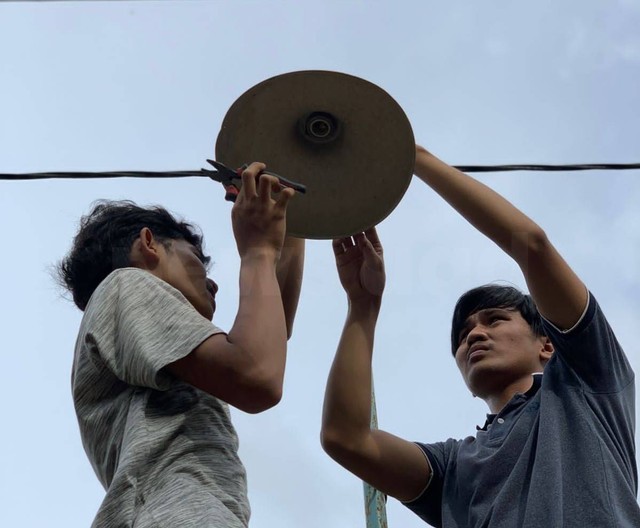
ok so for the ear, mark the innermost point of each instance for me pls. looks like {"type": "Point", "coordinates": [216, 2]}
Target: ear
{"type": "Point", "coordinates": [146, 250]}
{"type": "Point", "coordinates": [546, 350]}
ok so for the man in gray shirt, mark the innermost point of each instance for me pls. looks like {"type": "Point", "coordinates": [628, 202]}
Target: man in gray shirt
{"type": "Point", "coordinates": [557, 449]}
{"type": "Point", "coordinates": [152, 376]}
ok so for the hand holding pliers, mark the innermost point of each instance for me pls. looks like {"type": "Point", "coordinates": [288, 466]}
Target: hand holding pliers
{"type": "Point", "coordinates": [231, 179]}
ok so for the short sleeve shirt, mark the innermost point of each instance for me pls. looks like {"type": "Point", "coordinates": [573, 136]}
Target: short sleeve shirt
{"type": "Point", "coordinates": [560, 455]}
{"type": "Point", "coordinates": [165, 451]}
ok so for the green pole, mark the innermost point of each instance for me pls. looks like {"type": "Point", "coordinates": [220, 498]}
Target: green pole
{"type": "Point", "coordinates": [375, 507]}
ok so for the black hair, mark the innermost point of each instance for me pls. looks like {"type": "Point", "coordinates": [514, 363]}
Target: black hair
{"type": "Point", "coordinates": [103, 243]}
{"type": "Point", "coordinates": [494, 296]}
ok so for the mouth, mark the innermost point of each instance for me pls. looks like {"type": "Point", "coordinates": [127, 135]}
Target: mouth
{"type": "Point", "coordinates": [476, 352]}
{"type": "Point", "coordinates": [211, 292]}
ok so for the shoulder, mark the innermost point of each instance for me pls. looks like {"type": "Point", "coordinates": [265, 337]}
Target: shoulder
{"type": "Point", "coordinates": [439, 453]}
{"type": "Point", "coordinates": [592, 330]}
{"type": "Point", "coordinates": [590, 350]}
{"type": "Point", "coordinates": [132, 284]}
{"type": "Point", "coordinates": [127, 277]}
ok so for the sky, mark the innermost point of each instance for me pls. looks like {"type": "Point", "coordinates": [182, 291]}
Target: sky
{"type": "Point", "coordinates": [102, 86]}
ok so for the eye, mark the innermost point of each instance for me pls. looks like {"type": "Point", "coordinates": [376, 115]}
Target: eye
{"type": "Point", "coordinates": [206, 261]}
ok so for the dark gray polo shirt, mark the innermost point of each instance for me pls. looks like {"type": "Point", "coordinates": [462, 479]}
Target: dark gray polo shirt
{"type": "Point", "coordinates": [561, 455]}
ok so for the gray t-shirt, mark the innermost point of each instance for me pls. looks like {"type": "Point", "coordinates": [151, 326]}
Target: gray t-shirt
{"type": "Point", "coordinates": [165, 451]}
{"type": "Point", "coordinates": [561, 455]}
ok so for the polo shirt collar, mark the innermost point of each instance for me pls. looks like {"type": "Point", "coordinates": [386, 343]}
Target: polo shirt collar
{"type": "Point", "coordinates": [535, 387]}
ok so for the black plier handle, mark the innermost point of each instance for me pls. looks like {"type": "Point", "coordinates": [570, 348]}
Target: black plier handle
{"type": "Point", "coordinates": [230, 179]}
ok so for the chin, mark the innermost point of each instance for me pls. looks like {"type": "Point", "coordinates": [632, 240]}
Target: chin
{"type": "Point", "coordinates": [204, 309]}
{"type": "Point", "coordinates": [485, 381]}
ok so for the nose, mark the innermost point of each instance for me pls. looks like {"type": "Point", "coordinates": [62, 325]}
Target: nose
{"type": "Point", "coordinates": [477, 333]}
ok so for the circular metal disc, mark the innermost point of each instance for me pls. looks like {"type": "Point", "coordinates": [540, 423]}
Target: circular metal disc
{"type": "Point", "coordinates": [343, 137]}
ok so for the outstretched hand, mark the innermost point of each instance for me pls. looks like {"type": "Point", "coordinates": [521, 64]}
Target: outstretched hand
{"type": "Point", "coordinates": [360, 264]}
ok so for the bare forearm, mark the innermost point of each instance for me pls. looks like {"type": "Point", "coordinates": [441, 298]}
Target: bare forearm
{"type": "Point", "coordinates": [289, 273]}
{"type": "Point", "coordinates": [246, 367]}
{"type": "Point", "coordinates": [558, 293]}
{"type": "Point", "coordinates": [347, 404]}
{"type": "Point", "coordinates": [387, 462]}
{"type": "Point", "coordinates": [486, 210]}
{"type": "Point", "coordinates": [259, 328]}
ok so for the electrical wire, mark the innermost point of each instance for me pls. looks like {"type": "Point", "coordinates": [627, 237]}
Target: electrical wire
{"type": "Point", "coordinates": [96, 175]}
{"type": "Point", "coordinates": [200, 173]}
{"type": "Point", "coordinates": [548, 168]}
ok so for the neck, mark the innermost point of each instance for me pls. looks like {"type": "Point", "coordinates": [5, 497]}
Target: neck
{"type": "Point", "coordinates": [496, 401]}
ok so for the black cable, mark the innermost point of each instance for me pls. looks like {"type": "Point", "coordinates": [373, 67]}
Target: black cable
{"type": "Point", "coordinates": [24, 1]}
{"type": "Point", "coordinates": [95, 175]}
{"type": "Point", "coordinates": [199, 173]}
{"type": "Point", "coordinates": [548, 168]}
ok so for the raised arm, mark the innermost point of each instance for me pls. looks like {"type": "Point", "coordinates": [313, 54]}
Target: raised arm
{"type": "Point", "coordinates": [557, 291]}
{"type": "Point", "coordinates": [246, 367]}
{"type": "Point", "coordinates": [390, 464]}
{"type": "Point", "coordinates": [289, 272]}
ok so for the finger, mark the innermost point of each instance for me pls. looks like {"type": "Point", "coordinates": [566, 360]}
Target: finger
{"type": "Point", "coordinates": [341, 245]}
{"type": "Point", "coordinates": [278, 187]}
{"type": "Point", "coordinates": [365, 244]}
{"type": "Point", "coordinates": [361, 241]}
{"type": "Point", "coordinates": [265, 184]}
{"type": "Point", "coordinates": [249, 178]}
{"type": "Point", "coordinates": [369, 251]}
{"type": "Point", "coordinates": [348, 242]}
{"type": "Point", "coordinates": [338, 248]}
{"type": "Point", "coordinates": [372, 235]}
{"type": "Point", "coordinates": [283, 197]}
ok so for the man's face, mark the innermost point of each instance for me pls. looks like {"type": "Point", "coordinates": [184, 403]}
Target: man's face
{"type": "Point", "coordinates": [182, 267]}
{"type": "Point", "coordinates": [495, 348]}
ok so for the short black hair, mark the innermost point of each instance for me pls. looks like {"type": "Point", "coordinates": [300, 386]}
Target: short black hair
{"type": "Point", "coordinates": [103, 243]}
{"type": "Point", "coordinates": [494, 296]}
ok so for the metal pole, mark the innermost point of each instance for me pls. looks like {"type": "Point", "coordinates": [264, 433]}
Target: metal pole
{"type": "Point", "coordinates": [375, 506]}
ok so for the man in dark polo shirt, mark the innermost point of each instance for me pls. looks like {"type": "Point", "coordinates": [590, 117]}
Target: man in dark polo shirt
{"type": "Point", "coordinates": [557, 449]}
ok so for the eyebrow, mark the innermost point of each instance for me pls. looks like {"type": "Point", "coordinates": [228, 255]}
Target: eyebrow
{"type": "Point", "coordinates": [486, 311]}
{"type": "Point", "coordinates": [491, 311]}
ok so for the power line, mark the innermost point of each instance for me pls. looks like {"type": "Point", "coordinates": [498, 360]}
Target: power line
{"type": "Point", "coordinates": [548, 168]}
{"type": "Point", "coordinates": [96, 175]}
{"type": "Point", "coordinates": [200, 173]}
{"type": "Point", "coordinates": [34, 1]}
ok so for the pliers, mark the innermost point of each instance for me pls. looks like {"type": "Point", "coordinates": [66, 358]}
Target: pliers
{"type": "Point", "coordinates": [226, 177]}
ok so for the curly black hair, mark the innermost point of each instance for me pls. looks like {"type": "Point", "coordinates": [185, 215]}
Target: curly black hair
{"type": "Point", "coordinates": [494, 296]}
{"type": "Point", "coordinates": [104, 240]}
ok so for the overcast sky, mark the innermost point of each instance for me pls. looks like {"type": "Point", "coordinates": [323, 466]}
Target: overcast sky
{"type": "Point", "coordinates": [102, 86]}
